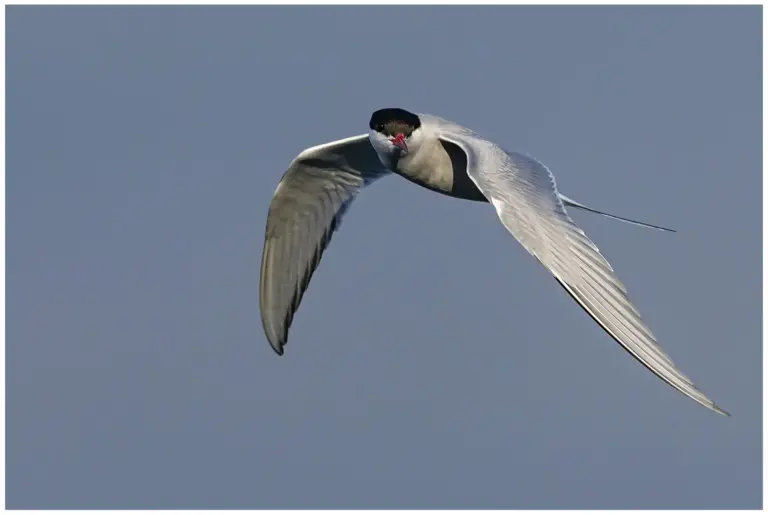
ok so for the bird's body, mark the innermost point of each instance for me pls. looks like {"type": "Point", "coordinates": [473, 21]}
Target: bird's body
{"type": "Point", "coordinates": [440, 166]}
{"type": "Point", "coordinates": [450, 159]}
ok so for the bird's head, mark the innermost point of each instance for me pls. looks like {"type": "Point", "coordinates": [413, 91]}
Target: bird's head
{"type": "Point", "coordinates": [394, 133]}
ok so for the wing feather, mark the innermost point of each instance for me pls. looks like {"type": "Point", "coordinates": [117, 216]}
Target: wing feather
{"type": "Point", "coordinates": [307, 208]}
{"type": "Point", "coordinates": [526, 199]}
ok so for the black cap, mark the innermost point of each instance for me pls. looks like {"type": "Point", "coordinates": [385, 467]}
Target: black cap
{"type": "Point", "coordinates": [392, 121]}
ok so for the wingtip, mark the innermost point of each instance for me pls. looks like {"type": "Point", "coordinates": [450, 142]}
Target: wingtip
{"type": "Point", "coordinates": [278, 348]}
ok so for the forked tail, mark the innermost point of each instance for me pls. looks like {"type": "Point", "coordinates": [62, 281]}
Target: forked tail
{"type": "Point", "coordinates": [572, 203]}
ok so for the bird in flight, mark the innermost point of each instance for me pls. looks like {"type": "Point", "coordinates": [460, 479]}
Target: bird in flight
{"type": "Point", "coordinates": [322, 181]}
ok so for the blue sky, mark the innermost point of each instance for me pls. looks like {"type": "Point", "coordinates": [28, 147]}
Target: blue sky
{"type": "Point", "coordinates": [433, 363]}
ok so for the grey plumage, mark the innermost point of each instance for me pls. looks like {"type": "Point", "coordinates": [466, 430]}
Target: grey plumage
{"type": "Point", "coordinates": [525, 196]}
{"type": "Point", "coordinates": [445, 157]}
{"type": "Point", "coordinates": [306, 210]}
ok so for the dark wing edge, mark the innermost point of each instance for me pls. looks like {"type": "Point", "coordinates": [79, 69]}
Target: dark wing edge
{"type": "Point", "coordinates": [582, 301]}
{"type": "Point", "coordinates": [306, 210]}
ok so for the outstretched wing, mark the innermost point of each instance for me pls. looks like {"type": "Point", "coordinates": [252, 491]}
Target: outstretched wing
{"type": "Point", "coordinates": [524, 194]}
{"type": "Point", "coordinates": [306, 209]}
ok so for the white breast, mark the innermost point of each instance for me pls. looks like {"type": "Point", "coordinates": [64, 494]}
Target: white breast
{"type": "Point", "coordinates": [430, 166]}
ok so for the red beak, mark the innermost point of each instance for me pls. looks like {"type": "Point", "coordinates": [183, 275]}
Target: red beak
{"type": "Point", "coordinates": [399, 141]}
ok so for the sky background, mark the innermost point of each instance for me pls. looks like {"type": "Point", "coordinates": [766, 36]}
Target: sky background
{"type": "Point", "coordinates": [433, 363]}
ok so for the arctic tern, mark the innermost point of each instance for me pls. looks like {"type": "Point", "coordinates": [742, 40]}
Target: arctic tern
{"type": "Point", "coordinates": [322, 181]}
